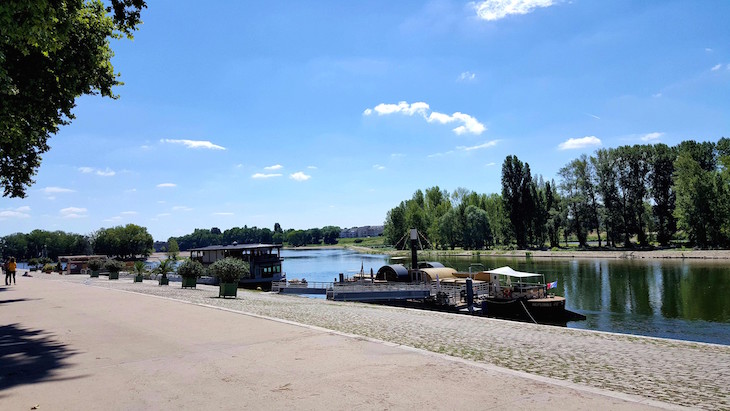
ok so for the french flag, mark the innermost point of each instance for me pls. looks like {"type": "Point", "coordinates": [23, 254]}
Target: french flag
{"type": "Point", "coordinates": [554, 284]}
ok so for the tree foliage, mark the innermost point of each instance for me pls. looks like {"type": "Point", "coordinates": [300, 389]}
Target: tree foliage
{"type": "Point", "coordinates": [123, 241]}
{"type": "Point", "coordinates": [51, 52]}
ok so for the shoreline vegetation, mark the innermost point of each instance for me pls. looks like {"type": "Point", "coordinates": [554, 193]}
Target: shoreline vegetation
{"type": "Point", "coordinates": [560, 253]}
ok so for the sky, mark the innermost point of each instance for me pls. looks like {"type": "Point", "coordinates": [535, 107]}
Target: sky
{"type": "Point", "coordinates": [333, 112]}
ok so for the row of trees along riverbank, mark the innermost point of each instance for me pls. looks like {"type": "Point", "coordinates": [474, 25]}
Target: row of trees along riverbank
{"type": "Point", "coordinates": [642, 193]}
{"type": "Point", "coordinates": [129, 241]}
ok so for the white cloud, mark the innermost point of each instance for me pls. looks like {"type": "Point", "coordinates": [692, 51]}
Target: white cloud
{"type": "Point", "coordinates": [181, 208]}
{"type": "Point", "coordinates": [469, 124]}
{"type": "Point", "coordinates": [492, 164]}
{"type": "Point", "coordinates": [73, 212]}
{"type": "Point", "coordinates": [57, 190]}
{"type": "Point", "coordinates": [20, 212]}
{"type": "Point", "coordinates": [397, 155]}
{"type": "Point", "coordinates": [651, 136]}
{"type": "Point", "coordinates": [440, 154]}
{"type": "Point", "coordinates": [716, 67]}
{"type": "Point", "coordinates": [576, 143]}
{"type": "Point", "coordinates": [104, 173]}
{"type": "Point", "coordinates": [593, 115]}
{"type": "Point", "coordinates": [299, 176]}
{"type": "Point", "coordinates": [402, 107]}
{"type": "Point", "coordinates": [194, 144]}
{"type": "Point", "coordinates": [128, 213]}
{"type": "Point", "coordinates": [709, 50]}
{"type": "Point", "coordinates": [223, 214]}
{"type": "Point", "coordinates": [657, 95]}
{"type": "Point", "coordinates": [467, 76]}
{"type": "Point", "coordinates": [312, 167]}
{"type": "Point", "coordinates": [131, 190]}
{"type": "Point", "coordinates": [379, 167]}
{"type": "Point", "coordinates": [492, 10]}
{"type": "Point", "coordinates": [262, 175]}
{"type": "Point", "coordinates": [164, 215]}
{"type": "Point", "coordinates": [164, 185]}
{"type": "Point", "coordinates": [274, 167]}
{"type": "Point", "coordinates": [486, 144]}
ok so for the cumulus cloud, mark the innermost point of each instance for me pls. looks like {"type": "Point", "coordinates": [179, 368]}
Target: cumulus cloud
{"type": "Point", "coordinates": [469, 124]}
{"type": "Point", "coordinates": [492, 10]}
{"type": "Point", "coordinates": [492, 164]}
{"type": "Point", "coordinates": [103, 173]}
{"type": "Point", "coordinates": [312, 167]}
{"type": "Point", "coordinates": [57, 190]}
{"type": "Point", "coordinates": [378, 167]}
{"type": "Point", "coordinates": [716, 67]}
{"type": "Point", "coordinates": [194, 143]}
{"type": "Point", "coordinates": [651, 136]}
{"type": "Point", "coordinates": [576, 143]}
{"type": "Point", "coordinates": [274, 167]}
{"type": "Point", "coordinates": [262, 176]}
{"type": "Point", "coordinates": [299, 176]}
{"type": "Point", "coordinates": [72, 212]}
{"type": "Point", "coordinates": [467, 76]}
{"type": "Point", "coordinates": [20, 212]}
{"type": "Point", "coordinates": [165, 185]}
{"type": "Point", "coordinates": [486, 144]}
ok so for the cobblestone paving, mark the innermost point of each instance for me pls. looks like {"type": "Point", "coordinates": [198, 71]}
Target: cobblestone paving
{"type": "Point", "coordinates": [678, 372]}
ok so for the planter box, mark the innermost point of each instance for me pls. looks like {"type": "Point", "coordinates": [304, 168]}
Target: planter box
{"type": "Point", "coordinates": [138, 278]}
{"type": "Point", "coordinates": [113, 276]}
{"type": "Point", "coordinates": [189, 282]}
{"type": "Point", "coordinates": [164, 281]}
{"type": "Point", "coordinates": [228, 290]}
{"type": "Point", "coordinates": [94, 274]}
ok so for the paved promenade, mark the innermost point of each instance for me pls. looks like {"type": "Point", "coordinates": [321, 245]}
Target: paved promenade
{"type": "Point", "coordinates": [78, 343]}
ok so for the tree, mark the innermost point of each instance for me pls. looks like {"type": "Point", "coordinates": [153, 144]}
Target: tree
{"type": "Point", "coordinates": [51, 52]}
{"type": "Point", "coordinates": [477, 233]}
{"type": "Point", "coordinates": [395, 224]}
{"type": "Point", "coordinates": [123, 242]}
{"type": "Point", "coordinates": [330, 234]}
{"type": "Point", "coordinates": [173, 249]}
{"type": "Point", "coordinates": [660, 179]}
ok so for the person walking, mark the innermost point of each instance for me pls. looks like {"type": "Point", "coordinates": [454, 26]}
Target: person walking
{"type": "Point", "coordinates": [12, 266]}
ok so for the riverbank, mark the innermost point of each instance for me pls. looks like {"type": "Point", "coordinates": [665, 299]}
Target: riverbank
{"type": "Point", "coordinates": [563, 253]}
{"type": "Point", "coordinates": [676, 372]}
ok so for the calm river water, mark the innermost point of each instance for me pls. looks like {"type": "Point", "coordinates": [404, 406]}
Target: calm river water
{"type": "Point", "coordinates": [686, 300]}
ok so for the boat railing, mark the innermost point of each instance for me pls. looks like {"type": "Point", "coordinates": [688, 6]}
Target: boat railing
{"type": "Point", "coordinates": [278, 285]}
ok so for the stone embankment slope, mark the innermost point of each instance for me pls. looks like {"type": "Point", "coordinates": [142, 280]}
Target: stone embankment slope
{"type": "Point", "coordinates": [677, 372]}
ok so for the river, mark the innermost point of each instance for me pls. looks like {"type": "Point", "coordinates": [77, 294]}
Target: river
{"type": "Point", "coordinates": [679, 299]}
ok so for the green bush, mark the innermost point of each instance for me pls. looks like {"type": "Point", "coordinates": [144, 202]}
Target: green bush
{"type": "Point", "coordinates": [229, 270]}
{"type": "Point", "coordinates": [114, 266]}
{"type": "Point", "coordinates": [190, 269]}
{"type": "Point", "coordinates": [95, 264]}
{"type": "Point", "coordinates": [48, 267]}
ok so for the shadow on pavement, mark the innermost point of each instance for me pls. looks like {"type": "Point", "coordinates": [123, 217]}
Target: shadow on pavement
{"type": "Point", "coordinates": [28, 356]}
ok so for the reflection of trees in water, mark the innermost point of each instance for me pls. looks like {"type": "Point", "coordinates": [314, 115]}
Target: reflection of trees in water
{"type": "Point", "coordinates": [28, 356]}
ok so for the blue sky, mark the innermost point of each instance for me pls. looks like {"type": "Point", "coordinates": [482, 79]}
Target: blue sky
{"type": "Point", "coordinates": [331, 113]}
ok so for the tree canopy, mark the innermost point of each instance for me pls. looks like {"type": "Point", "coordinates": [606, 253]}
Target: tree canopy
{"type": "Point", "coordinates": [51, 52]}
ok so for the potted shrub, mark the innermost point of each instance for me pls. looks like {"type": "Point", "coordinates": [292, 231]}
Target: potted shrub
{"type": "Point", "coordinates": [33, 264]}
{"type": "Point", "coordinates": [139, 271]}
{"type": "Point", "coordinates": [48, 268]}
{"type": "Point", "coordinates": [114, 267]}
{"type": "Point", "coordinates": [95, 265]}
{"type": "Point", "coordinates": [165, 267]}
{"type": "Point", "coordinates": [228, 271]}
{"type": "Point", "coordinates": [190, 271]}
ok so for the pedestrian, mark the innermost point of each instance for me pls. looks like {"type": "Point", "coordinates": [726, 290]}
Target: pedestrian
{"type": "Point", "coordinates": [12, 266]}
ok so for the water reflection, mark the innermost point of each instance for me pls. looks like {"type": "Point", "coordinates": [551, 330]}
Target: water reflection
{"type": "Point", "coordinates": [687, 300]}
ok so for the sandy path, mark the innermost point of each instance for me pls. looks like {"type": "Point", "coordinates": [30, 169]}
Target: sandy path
{"type": "Point", "coordinates": [678, 372]}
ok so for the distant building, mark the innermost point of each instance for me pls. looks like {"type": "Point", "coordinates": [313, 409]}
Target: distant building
{"type": "Point", "coordinates": [365, 231]}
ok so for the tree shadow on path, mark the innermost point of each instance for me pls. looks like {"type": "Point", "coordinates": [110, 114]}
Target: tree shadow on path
{"type": "Point", "coordinates": [28, 356]}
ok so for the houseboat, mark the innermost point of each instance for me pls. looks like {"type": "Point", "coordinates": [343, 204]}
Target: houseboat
{"type": "Point", "coordinates": [264, 261]}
